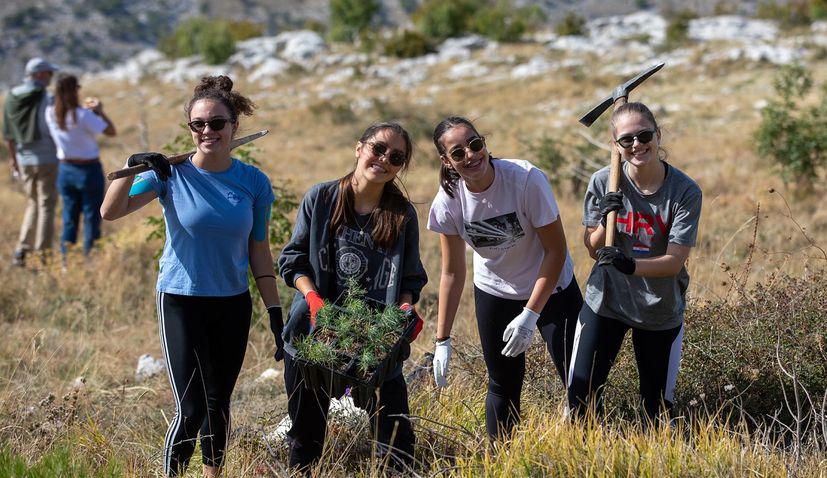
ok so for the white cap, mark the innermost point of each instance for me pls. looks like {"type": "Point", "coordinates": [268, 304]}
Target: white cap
{"type": "Point", "coordinates": [36, 65]}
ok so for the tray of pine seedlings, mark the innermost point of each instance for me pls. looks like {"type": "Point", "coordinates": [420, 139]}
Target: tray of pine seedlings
{"type": "Point", "coordinates": [355, 344]}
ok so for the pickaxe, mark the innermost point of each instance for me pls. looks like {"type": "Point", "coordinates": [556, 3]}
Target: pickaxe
{"type": "Point", "coordinates": [617, 98]}
{"type": "Point", "coordinates": [181, 157]}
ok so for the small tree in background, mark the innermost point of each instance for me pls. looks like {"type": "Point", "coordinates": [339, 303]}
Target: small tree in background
{"type": "Point", "coordinates": [677, 28]}
{"type": "Point", "coordinates": [213, 39]}
{"type": "Point", "coordinates": [793, 135]}
{"type": "Point", "coordinates": [350, 19]}
{"type": "Point", "coordinates": [441, 19]}
{"type": "Point", "coordinates": [571, 24]}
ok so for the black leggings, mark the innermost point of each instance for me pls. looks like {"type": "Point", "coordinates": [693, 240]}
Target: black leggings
{"type": "Point", "coordinates": [308, 413]}
{"type": "Point", "coordinates": [505, 374]}
{"type": "Point", "coordinates": [204, 340]}
{"type": "Point", "coordinates": [598, 341]}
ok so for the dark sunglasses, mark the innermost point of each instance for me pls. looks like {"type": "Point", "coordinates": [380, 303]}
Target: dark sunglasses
{"type": "Point", "coordinates": [395, 157]}
{"type": "Point", "coordinates": [642, 136]}
{"type": "Point", "coordinates": [475, 145]}
{"type": "Point", "coordinates": [216, 124]}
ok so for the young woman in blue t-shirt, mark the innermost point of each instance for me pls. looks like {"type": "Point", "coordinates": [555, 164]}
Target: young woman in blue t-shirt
{"type": "Point", "coordinates": [216, 211]}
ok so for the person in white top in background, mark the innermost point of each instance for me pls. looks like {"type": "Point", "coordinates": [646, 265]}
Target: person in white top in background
{"type": "Point", "coordinates": [523, 274]}
{"type": "Point", "coordinates": [80, 176]}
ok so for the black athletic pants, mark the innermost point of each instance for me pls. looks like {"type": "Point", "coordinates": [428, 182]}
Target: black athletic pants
{"type": "Point", "coordinates": [505, 374]}
{"type": "Point", "coordinates": [596, 346]}
{"type": "Point", "coordinates": [308, 413]}
{"type": "Point", "coordinates": [204, 340]}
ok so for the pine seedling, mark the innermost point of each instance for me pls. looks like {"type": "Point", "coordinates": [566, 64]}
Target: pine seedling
{"type": "Point", "coordinates": [367, 361]}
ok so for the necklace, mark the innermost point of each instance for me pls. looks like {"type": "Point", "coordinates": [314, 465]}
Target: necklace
{"type": "Point", "coordinates": [361, 227]}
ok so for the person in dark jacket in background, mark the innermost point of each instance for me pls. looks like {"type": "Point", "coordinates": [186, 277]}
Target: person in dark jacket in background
{"type": "Point", "coordinates": [33, 157]}
{"type": "Point", "coordinates": [361, 227]}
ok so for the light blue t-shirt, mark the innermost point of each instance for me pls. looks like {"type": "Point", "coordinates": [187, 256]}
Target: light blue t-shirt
{"type": "Point", "coordinates": [209, 219]}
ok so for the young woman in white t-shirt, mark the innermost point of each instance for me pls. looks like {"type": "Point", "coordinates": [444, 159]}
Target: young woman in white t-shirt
{"type": "Point", "coordinates": [74, 130]}
{"type": "Point", "coordinates": [523, 274]}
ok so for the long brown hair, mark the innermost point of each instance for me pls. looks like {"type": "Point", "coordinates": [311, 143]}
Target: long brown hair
{"type": "Point", "coordinates": [389, 215]}
{"type": "Point", "coordinates": [66, 99]}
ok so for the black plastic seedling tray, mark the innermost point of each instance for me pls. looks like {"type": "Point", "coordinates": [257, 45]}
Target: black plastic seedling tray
{"type": "Point", "coordinates": [336, 381]}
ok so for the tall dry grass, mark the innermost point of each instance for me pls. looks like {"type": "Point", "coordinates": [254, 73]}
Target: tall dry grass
{"type": "Point", "coordinates": [93, 321]}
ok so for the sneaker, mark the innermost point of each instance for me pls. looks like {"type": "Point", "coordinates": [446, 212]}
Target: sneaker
{"type": "Point", "coordinates": [19, 258]}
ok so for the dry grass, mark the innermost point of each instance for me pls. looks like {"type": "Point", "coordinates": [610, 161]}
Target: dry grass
{"type": "Point", "coordinates": [95, 320]}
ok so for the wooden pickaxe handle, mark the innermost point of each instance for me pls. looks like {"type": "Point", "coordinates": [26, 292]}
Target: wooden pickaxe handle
{"type": "Point", "coordinates": [615, 169]}
{"type": "Point", "coordinates": [179, 158]}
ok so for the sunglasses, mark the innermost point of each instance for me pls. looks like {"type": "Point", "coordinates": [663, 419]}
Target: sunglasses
{"type": "Point", "coordinates": [475, 146]}
{"type": "Point", "coordinates": [395, 157]}
{"type": "Point", "coordinates": [216, 124]}
{"type": "Point", "coordinates": [642, 136]}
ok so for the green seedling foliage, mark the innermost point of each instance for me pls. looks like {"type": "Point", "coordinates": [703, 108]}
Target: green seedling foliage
{"type": "Point", "coordinates": [357, 326]}
{"type": "Point", "coordinates": [367, 361]}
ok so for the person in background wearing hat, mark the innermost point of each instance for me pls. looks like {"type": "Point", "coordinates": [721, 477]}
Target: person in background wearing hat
{"type": "Point", "coordinates": [74, 129]}
{"type": "Point", "coordinates": [33, 157]}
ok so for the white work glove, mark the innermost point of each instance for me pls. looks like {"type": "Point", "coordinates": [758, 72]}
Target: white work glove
{"type": "Point", "coordinates": [442, 355]}
{"type": "Point", "coordinates": [519, 333]}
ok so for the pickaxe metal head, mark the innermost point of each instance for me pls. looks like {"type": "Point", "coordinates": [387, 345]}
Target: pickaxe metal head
{"type": "Point", "coordinates": [621, 91]}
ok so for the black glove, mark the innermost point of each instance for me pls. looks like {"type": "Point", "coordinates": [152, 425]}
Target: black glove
{"type": "Point", "coordinates": [155, 161]}
{"type": "Point", "coordinates": [608, 203]}
{"type": "Point", "coordinates": [611, 255]}
{"type": "Point", "coordinates": [277, 326]}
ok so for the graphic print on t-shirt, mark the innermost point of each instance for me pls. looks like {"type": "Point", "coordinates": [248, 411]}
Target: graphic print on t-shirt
{"type": "Point", "coordinates": [357, 257]}
{"type": "Point", "coordinates": [502, 231]}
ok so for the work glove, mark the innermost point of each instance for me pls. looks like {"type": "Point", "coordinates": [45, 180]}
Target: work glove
{"type": "Point", "coordinates": [411, 314]}
{"type": "Point", "coordinates": [519, 332]}
{"type": "Point", "coordinates": [155, 161]}
{"type": "Point", "coordinates": [611, 255]}
{"type": "Point", "coordinates": [277, 327]}
{"type": "Point", "coordinates": [442, 356]}
{"type": "Point", "coordinates": [608, 203]}
{"type": "Point", "coordinates": [315, 302]}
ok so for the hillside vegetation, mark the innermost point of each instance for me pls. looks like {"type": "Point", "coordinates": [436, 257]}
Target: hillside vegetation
{"type": "Point", "coordinates": [751, 394]}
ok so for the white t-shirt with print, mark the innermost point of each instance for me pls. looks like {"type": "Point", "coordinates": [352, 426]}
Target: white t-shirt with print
{"type": "Point", "coordinates": [499, 224]}
{"type": "Point", "coordinates": [78, 140]}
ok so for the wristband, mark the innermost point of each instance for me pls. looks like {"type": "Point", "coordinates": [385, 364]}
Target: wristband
{"type": "Point", "coordinates": [263, 276]}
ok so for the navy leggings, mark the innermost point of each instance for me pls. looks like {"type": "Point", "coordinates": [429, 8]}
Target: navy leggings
{"type": "Point", "coordinates": [308, 412]}
{"type": "Point", "coordinates": [596, 346]}
{"type": "Point", "coordinates": [204, 340]}
{"type": "Point", "coordinates": [505, 374]}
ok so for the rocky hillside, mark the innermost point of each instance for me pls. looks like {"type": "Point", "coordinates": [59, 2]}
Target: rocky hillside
{"type": "Point", "coordinates": [92, 35]}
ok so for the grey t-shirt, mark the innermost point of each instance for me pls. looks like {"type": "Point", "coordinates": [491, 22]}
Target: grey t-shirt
{"type": "Point", "coordinates": [645, 227]}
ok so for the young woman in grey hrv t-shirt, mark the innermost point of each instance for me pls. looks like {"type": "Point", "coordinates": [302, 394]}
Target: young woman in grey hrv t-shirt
{"type": "Point", "coordinates": [640, 282]}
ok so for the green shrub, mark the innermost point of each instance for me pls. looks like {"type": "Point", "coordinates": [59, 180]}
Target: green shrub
{"type": "Point", "coordinates": [349, 18]}
{"type": "Point", "coordinates": [792, 134]}
{"type": "Point", "coordinates": [441, 19]}
{"type": "Point", "coordinates": [571, 24]}
{"type": "Point", "coordinates": [548, 157]}
{"type": "Point", "coordinates": [408, 44]}
{"type": "Point", "coordinates": [213, 39]}
{"type": "Point", "coordinates": [788, 15]}
{"type": "Point", "coordinates": [498, 23]}
{"type": "Point", "coordinates": [818, 9]}
{"type": "Point", "coordinates": [677, 30]}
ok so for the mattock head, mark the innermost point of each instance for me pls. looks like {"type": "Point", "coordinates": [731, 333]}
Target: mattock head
{"type": "Point", "coordinates": [620, 92]}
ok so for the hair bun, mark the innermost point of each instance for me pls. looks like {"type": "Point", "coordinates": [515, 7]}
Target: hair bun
{"type": "Point", "coordinates": [220, 82]}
